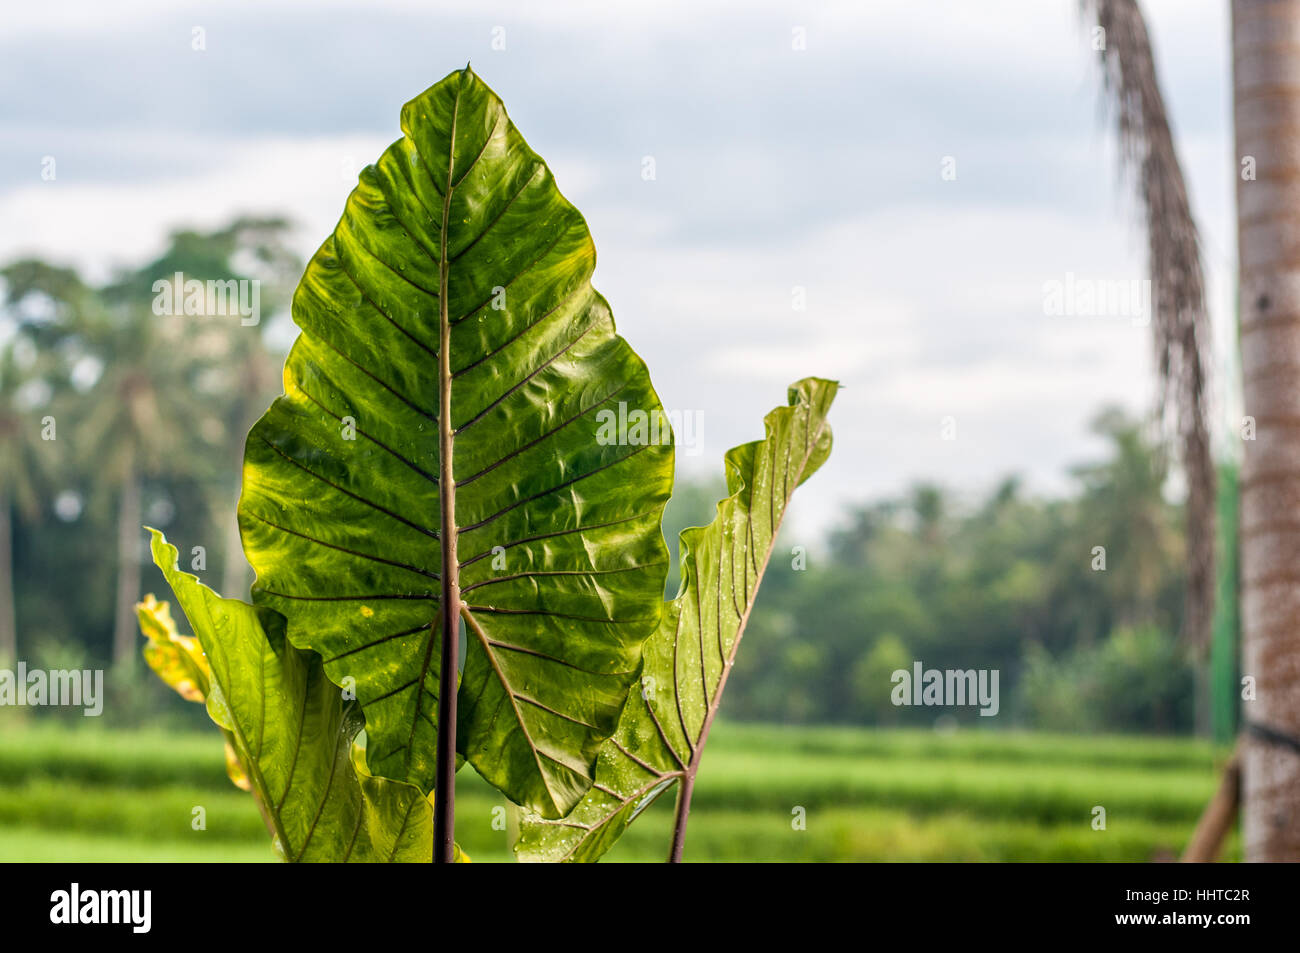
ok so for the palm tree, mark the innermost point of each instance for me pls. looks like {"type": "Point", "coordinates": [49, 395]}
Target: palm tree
{"type": "Point", "coordinates": [37, 296]}
{"type": "Point", "coordinates": [143, 417]}
{"type": "Point", "coordinates": [254, 383]}
{"type": "Point", "coordinates": [240, 374]}
{"type": "Point", "coordinates": [1267, 119]}
{"type": "Point", "coordinates": [1123, 504]}
{"type": "Point", "coordinates": [1267, 122]}
{"type": "Point", "coordinates": [177, 386]}
{"type": "Point", "coordinates": [21, 467]}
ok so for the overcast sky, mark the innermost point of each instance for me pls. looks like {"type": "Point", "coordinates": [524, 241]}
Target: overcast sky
{"type": "Point", "coordinates": [775, 168]}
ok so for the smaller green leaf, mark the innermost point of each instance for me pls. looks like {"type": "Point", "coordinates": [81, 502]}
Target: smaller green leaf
{"type": "Point", "coordinates": [664, 727]}
{"type": "Point", "coordinates": [289, 728]}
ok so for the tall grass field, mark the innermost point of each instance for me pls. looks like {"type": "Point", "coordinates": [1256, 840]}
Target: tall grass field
{"type": "Point", "coordinates": [765, 793]}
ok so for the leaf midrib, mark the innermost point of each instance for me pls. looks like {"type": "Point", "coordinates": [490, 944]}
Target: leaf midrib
{"type": "Point", "coordinates": [449, 568]}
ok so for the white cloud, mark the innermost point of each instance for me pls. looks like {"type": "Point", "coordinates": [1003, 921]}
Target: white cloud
{"type": "Point", "coordinates": [924, 297]}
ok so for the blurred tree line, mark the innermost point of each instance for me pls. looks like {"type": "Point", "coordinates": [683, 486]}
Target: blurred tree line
{"type": "Point", "coordinates": [112, 416]}
{"type": "Point", "coordinates": [1006, 582]}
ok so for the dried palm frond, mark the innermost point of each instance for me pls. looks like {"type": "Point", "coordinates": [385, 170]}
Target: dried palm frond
{"type": "Point", "coordinates": [1180, 320]}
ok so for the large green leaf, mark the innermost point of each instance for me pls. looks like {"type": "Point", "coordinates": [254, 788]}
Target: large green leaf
{"type": "Point", "coordinates": [453, 306]}
{"type": "Point", "coordinates": [287, 725]}
{"type": "Point", "coordinates": [662, 733]}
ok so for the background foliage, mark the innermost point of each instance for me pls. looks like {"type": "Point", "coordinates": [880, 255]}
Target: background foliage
{"type": "Point", "coordinates": [957, 577]}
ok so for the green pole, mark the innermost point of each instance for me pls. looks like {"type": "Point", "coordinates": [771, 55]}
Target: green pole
{"type": "Point", "coordinates": [1224, 645]}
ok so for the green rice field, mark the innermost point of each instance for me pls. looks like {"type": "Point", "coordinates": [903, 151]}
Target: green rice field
{"type": "Point", "coordinates": [97, 795]}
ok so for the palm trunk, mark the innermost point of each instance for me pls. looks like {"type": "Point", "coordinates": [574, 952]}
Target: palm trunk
{"type": "Point", "coordinates": [8, 622]}
{"type": "Point", "coordinates": [1266, 87]}
{"type": "Point", "coordinates": [125, 635]}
